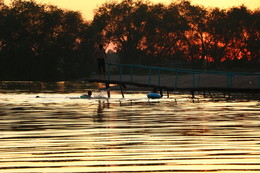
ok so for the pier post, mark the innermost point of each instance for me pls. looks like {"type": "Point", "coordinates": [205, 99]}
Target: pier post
{"type": "Point", "coordinates": [122, 92]}
{"type": "Point", "coordinates": [108, 90]}
{"type": "Point", "coordinates": [211, 96]}
{"type": "Point", "coordinates": [258, 81]}
{"type": "Point", "coordinates": [161, 92]}
{"type": "Point", "coordinates": [193, 94]}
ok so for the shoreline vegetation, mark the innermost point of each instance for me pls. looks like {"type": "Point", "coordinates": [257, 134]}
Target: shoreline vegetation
{"type": "Point", "coordinates": [40, 42]}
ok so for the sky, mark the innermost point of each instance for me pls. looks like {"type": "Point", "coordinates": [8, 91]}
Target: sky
{"type": "Point", "coordinates": [86, 7]}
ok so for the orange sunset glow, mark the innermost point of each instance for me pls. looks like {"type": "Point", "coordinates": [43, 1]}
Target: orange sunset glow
{"type": "Point", "coordinates": [86, 7]}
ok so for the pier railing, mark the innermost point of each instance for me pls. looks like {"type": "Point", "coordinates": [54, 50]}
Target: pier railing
{"type": "Point", "coordinates": [181, 78]}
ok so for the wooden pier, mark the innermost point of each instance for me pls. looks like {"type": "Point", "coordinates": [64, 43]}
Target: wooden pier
{"type": "Point", "coordinates": [134, 77]}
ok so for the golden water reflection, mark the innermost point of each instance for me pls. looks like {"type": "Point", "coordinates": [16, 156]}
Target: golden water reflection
{"type": "Point", "coordinates": [54, 133]}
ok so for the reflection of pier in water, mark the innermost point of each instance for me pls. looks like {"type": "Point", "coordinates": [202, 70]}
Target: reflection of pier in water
{"type": "Point", "coordinates": [181, 80]}
{"type": "Point", "coordinates": [99, 114]}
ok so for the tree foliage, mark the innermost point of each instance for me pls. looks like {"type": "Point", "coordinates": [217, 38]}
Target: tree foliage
{"type": "Point", "coordinates": [146, 32]}
{"type": "Point", "coordinates": [44, 42]}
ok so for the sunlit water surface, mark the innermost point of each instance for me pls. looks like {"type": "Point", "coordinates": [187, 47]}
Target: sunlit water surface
{"type": "Point", "coordinates": [61, 133]}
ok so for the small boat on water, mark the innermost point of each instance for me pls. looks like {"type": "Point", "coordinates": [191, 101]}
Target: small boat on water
{"type": "Point", "coordinates": [154, 96]}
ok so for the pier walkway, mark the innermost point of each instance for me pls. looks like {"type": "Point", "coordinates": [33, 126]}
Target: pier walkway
{"type": "Point", "coordinates": [173, 79]}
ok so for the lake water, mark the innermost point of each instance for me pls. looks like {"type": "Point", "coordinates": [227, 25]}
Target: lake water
{"type": "Point", "coordinates": [62, 133]}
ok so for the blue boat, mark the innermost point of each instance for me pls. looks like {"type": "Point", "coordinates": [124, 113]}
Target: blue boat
{"type": "Point", "coordinates": [154, 95]}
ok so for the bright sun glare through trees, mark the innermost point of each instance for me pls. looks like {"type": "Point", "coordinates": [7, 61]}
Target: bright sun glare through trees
{"type": "Point", "coordinates": [44, 42]}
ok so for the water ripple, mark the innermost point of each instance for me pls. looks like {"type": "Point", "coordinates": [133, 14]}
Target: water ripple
{"type": "Point", "coordinates": [71, 135]}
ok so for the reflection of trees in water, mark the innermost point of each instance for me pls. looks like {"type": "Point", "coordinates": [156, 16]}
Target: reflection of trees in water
{"type": "Point", "coordinates": [99, 116]}
{"type": "Point", "coordinates": [30, 118]}
{"type": "Point", "coordinates": [25, 126]}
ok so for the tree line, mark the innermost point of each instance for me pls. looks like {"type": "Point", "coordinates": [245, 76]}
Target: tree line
{"type": "Point", "coordinates": [44, 42]}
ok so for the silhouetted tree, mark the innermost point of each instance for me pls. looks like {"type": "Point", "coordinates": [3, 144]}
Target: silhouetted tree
{"type": "Point", "coordinates": [123, 24]}
{"type": "Point", "coordinates": [165, 27]}
{"type": "Point", "coordinates": [147, 32]}
{"type": "Point", "coordinates": [43, 42]}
